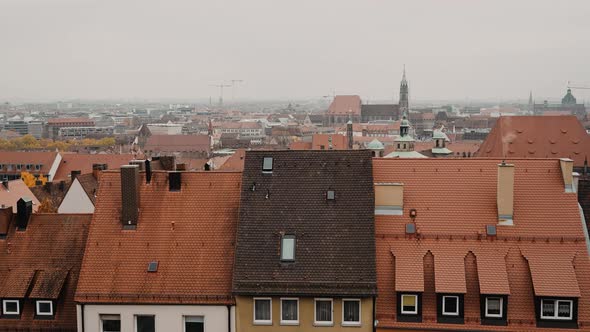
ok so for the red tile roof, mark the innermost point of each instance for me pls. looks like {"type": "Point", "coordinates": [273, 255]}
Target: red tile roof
{"type": "Point", "coordinates": [345, 105]}
{"type": "Point", "coordinates": [235, 162]}
{"type": "Point", "coordinates": [544, 253]}
{"type": "Point", "coordinates": [46, 160]}
{"type": "Point", "coordinates": [338, 142]}
{"type": "Point", "coordinates": [49, 268]}
{"type": "Point", "coordinates": [83, 162]}
{"type": "Point", "coordinates": [537, 137]}
{"type": "Point", "coordinates": [190, 233]}
{"type": "Point", "coordinates": [17, 189]}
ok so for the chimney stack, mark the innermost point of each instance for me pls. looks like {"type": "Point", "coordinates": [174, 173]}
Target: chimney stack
{"type": "Point", "coordinates": [567, 172]}
{"type": "Point", "coordinates": [24, 209]}
{"type": "Point", "coordinates": [97, 168]}
{"type": "Point", "coordinates": [174, 181]}
{"type": "Point", "coordinates": [129, 196]}
{"type": "Point", "coordinates": [505, 193]}
{"type": "Point", "coordinates": [5, 183]}
{"type": "Point", "coordinates": [5, 216]}
{"type": "Point", "coordinates": [74, 174]}
{"type": "Point", "coordinates": [148, 171]}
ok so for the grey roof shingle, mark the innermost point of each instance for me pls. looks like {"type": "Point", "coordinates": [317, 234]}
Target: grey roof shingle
{"type": "Point", "coordinates": [335, 244]}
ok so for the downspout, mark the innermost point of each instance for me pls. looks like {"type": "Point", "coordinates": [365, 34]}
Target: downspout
{"type": "Point", "coordinates": [585, 228]}
{"type": "Point", "coordinates": [82, 319]}
{"type": "Point", "coordinates": [228, 318]}
{"type": "Point", "coordinates": [374, 316]}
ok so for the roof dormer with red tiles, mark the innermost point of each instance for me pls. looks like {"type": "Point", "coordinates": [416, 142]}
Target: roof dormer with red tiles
{"type": "Point", "coordinates": [40, 259]}
{"type": "Point", "coordinates": [479, 244]}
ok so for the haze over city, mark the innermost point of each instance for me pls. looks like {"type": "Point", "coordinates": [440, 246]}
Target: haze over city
{"type": "Point", "coordinates": [453, 50]}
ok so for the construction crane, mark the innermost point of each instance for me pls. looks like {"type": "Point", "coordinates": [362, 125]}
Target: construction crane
{"type": "Point", "coordinates": [233, 88]}
{"type": "Point", "coordinates": [221, 86]}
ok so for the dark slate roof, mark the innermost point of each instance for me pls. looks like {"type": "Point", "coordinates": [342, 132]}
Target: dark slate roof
{"type": "Point", "coordinates": [335, 246]}
{"type": "Point", "coordinates": [380, 110]}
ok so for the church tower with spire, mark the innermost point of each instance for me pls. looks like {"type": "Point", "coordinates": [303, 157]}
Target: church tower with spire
{"type": "Point", "coordinates": [404, 104]}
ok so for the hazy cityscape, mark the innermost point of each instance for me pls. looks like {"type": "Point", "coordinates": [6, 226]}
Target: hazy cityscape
{"type": "Point", "coordinates": [265, 166]}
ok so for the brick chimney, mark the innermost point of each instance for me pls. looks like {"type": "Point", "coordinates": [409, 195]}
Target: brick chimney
{"type": "Point", "coordinates": [505, 193]}
{"type": "Point", "coordinates": [5, 216]}
{"type": "Point", "coordinates": [5, 184]}
{"type": "Point", "coordinates": [74, 174]}
{"type": "Point", "coordinates": [567, 172]}
{"type": "Point", "coordinates": [97, 168]}
{"type": "Point", "coordinates": [129, 195]}
{"type": "Point", "coordinates": [24, 210]}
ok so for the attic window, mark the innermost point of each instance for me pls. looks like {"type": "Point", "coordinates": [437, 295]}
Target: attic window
{"type": "Point", "coordinates": [44, 308]}
{"type": "Point", "coordinates": [288, 248]}
{"type": "Point", "coordinates": [153, 266]}
{"type": "Point", "coordinates": [10, 307]}
{"type": "Point", "coordinates": [331, 195]}
{"type": "Point", "coordinates": [267, 165]}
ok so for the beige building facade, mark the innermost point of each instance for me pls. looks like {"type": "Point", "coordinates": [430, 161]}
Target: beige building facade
{"type": "Point", "coordinates": [306, 315]}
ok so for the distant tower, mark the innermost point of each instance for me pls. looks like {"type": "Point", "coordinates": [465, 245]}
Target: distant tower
{"type": "Point", "coordinates": [531, 102]}
{"type": "Point", "coordinates": [404, 104]}
{"type": "Point", "coordinates": [349, 131]}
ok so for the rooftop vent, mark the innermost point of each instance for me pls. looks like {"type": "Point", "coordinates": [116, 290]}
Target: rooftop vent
{"type": "Point", "coordinates": [410, 229]}
{"type": "Point", "coordinates": [153, 266]}
{"type": "Point", "coordinates": [491, 230]}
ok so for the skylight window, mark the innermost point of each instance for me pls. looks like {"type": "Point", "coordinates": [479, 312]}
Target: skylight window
{"type": "Point", "coordinates": [153, 266]}
{"type": "Point", "coordinates": [331, 195]}
{"type": "Point", "coordinates": [288, 248]}
{"type": "Point", "coordinates": [267, 165]}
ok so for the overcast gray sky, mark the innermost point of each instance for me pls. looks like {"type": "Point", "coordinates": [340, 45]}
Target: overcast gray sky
{"type": "Point", "coordinates": [453, 49]}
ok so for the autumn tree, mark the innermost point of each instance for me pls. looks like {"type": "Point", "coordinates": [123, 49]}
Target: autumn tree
{"type": "Point", "coordinates": [46, 206]}
{"type": "Point", "coordinates": [28, 179]}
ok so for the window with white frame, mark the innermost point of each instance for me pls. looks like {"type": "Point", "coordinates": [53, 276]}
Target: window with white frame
{"type": "Point", "coordinates": [288, 248]}
{"type": "Point", "coordinates": [145, 323]}
{"type": "Point", "coordinates": [44, 308]}
{"type": "Point", "coordinates": [557, 309]}
{"type": "Point", "coordinates": [323, 312]}
{"type": "Point", "coordinates": [289, 311]}
{"type": "Point", "coordinates": [351, 312]}
{"type": "Point", "coordinates": [262, 311]}
{"type": "Point", "coordinates": [409, 304]}
{"type": "Point", "coordinates": [194, 323]}
{"type": "Point", "coordinates": [110, 323]}
{"type": "Point", "coordinates": [494, 307]}
{"type": "Point", "coordinates": [10, 307]}
{"type": "Point", "coordinates": [450, 306]}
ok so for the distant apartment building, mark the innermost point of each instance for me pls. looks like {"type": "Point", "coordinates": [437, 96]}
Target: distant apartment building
{"type": "Point", "coordinates": [12, 164]}
{"type": "Point", "coordinates": [83, 132]}
{"type": "Point", "coordinates": [242, 129]}
{"type": "Point", "coordinates": [54, 125]}
{"type": "Point", "coordinates": [18, 125]}
{"type": "Point", "coordinates": [165, 128]}
{"type": "Point", "coordinates": [36, 128]}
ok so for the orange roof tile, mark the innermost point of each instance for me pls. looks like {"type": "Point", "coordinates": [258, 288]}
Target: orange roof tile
{"type": "Point", "coordinates": [345, 105]}
{"type": "Point", "coordinates": [188, 232]}
{"type": "Point", "coordinates": [83, 162]}
{"type": "Point", "coordinates": [455, 199]}
{"type": "Point", "coordinates": [491, 272]}
{"type": "Point", "coordinates": [537, 137]}
{"type": "Point", "coordinates": [552, 271]}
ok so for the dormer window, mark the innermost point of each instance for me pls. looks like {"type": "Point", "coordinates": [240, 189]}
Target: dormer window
{"type": "Point", "coordinates": [288, 248]}
{"type": "Point", "coordinates": [267, 165]}
{"type": "Point", "coordinates": [557, 309]}
{"type": "Point", "coordinates": [450, 306]}
{"type": "Point", "coordinates": [10, 307]}
{"type": "Point", "coordinates": [44, 308]}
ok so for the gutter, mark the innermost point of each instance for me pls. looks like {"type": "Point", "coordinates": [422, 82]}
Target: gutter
{"type": "Point", "coordinates": [82, 318]}
{"type": "Point", "coordinates": [228, 318]}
